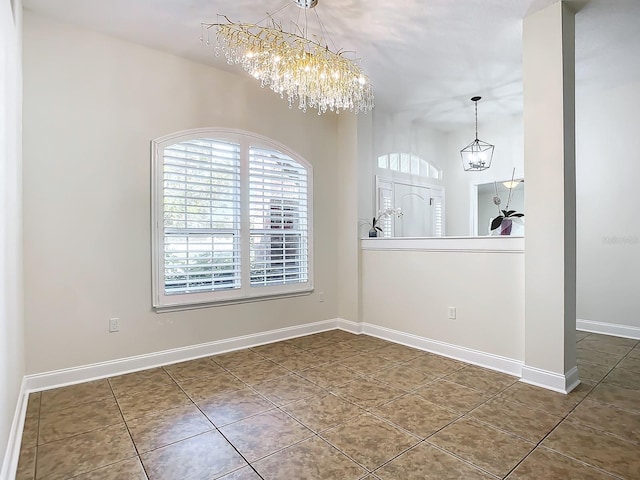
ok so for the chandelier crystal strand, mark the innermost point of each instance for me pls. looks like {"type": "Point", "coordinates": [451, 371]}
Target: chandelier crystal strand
{"type": "Point", "coordinates": [298, 68]}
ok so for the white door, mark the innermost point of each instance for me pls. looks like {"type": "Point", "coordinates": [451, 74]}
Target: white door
{"type": "Point", "coordinates": [416, 218]}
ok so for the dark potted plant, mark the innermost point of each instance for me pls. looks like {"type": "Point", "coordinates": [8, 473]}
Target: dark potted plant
{"type": "Point", "coordinates": [373, 231]}
{"type": "Point", "coordinates": [504, 220]}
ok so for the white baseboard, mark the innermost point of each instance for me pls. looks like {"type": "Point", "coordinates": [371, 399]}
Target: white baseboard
{"type": "Point", "coordinates": [468, 355]}
{"type": "Point", "coordinates": [550, 380]}
{"type": "Point", "coordinates": [603, 328]}
{"type": "Point", "coordinates": [12, 453]}
{"type": "Point", "coordinates": [69, 376]}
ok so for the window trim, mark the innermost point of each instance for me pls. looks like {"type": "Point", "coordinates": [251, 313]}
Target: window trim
{"type": "Point", "coordinates": [246, 293]}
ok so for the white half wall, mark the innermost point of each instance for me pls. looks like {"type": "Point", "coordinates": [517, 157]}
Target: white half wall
{"type": "Point", "coordinates": [92, 105]}
{"type": "Point", "coordinates": [12, 363]}
{"type": "Point", "coordinates": [408, 286]}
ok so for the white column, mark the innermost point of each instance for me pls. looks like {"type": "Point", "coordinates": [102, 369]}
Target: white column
{"type": "Point", "coordinates": [549, 165]}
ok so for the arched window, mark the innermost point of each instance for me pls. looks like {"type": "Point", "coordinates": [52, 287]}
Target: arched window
{"type": "Point", "coordinates": [409, 163]}
{"type": "Point", "coordinates": [231, 218]}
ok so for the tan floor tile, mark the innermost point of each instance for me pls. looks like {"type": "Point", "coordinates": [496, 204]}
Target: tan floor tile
{"type": "Point", "coordinates": [416, 415]}
{"type": "Point", "coordinates": [367, 363]}
{"type": "Point", "coordinates": [367, 343]}
{"type": "Point", "coordinates": [581, 335]}
{"type": "Point", "coordinates": [309, 342]}
{"type": "Point", "coordinates": [621, 397]}
{"type": "Point", "coordinates": [608, 419]}
{"type": "Point", "coordinates": [330, 375]}
{"type": "Point", "coordinates": [312, 459]}
{"type": "Point", "coordinates": [31, 421]}
{"type": "Point", "coordinates": [367, 393]}
{"type": "Point", "coordinates": [257, 372]}
{"type": "Point", "coordinates": [592, 373]}
{"type": "Point", "coordinates": [611, 340]}
{"type": "Point", "coordinates": [487, 448]}
{"type": "Point", "coordinates": [261, 435]}
{"type": "Point", "coordinates": [204, 456]}
{"type": "Point", "coordinates": [245, 473]}
{"type": "Point", "coordinates": [153, 431]}
{"type": "Point", "coordinates": [131, 383]}
{"type": "Point", "coordinates": [623, 378]}
{"type": "Point", "coordinates": [201, 367]}
{"type": "Point", "coordinates": [155, 400]}
{"type": "Point", "coordinates": [630, 363]}
{"type": "Point", "coordinates": [300, 361]}
{"type": "Point", "coordinates": [635, 353]}
{"type": "Point", "coordinates": [338, 335]}
{"type": "Point", "coordinates": [452, 395]}
{"type": "Point", "coordinates": [607, 452]}
{"type": "Point", "coordinates": [369, 441]}
{"type": "Point", "coordinates": [239, 357]}
{"type": "Point", "coordinates": [83, 453]}
{"type": "Point", "coordinates": [426, 462]}
{"type": "Point", "coordinates": [545, 400]}
{"type": "Point", "coordinates": [399, 353]}
{"type": "Point", "coordinates": [26, 464]}
{"type": "Point", "coordinates": [482, 379]}
{"type": "Point", "coordinates": [206, 387]}
{"type": "Point", "coordinates": [79, 419]}
{"type": "Point", "coordinates": [599, 358]}
{"type": "Point", "coordinates": [130, 469]}
{"type": "Point", "coordinates": [435, 364]}
{"type": "Point", "coordinates": [544, 463]}
{"type": "Point", "coordinates": [233, 406]}
{"type": "Point", "coordinates": [278, 350]}
{"type": "Point", "coordinates": [65, 397]}
{"type": "Point", "coordinates": [335, 352]}
{"type": "Point", "coordinates": [516, 418]}
{"type": "Point", "coordinates": [288, 389]}
{"type": "Point", "coordinates": [320, 413]}
{"type": "Point", "coordinates": [403, 377]}
{"type": "Point", "coordinates": [605, 347]}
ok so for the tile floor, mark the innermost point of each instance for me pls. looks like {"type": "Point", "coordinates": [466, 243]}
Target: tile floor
{"type": "Point", "coordinates": [339, 406]}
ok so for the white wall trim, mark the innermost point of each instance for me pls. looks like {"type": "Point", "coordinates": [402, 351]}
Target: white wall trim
{"type": "Point", "coordinates": [483, 359]}
{"type": "Point", "coordinates": [550, 380]}
{"type": "Point", "coordinates": [12, 454]}
{"type": "Point", "coordinates": [69, 376]}
{"type": "Point", "coordinates": [497, 244]}
{"type": "Point", "coordinates": [604, 328]}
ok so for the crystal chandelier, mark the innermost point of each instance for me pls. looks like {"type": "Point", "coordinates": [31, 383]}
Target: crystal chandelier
{"type": "Point", "coordinates": [304, 70]}
{"type": "Point", "coordinates": [478, 154]}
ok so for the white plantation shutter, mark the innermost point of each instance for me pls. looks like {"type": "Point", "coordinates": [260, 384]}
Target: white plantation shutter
{"type": "Point", "coordinates": [278, 218]}
{"type": "Point", "coordinates": [437, 216]}
{"type": "Point", "coordinates": [201, 216]}
{"type": "Point", "coordinates": [231, 214]}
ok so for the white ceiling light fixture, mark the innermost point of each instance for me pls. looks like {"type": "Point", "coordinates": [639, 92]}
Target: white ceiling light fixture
{"type": "Point", "coordinates": [477, 155]}
{"type": "Point", "coordinates": [292, 63]}
{"type": "Point", "coordinates": [512, 183]}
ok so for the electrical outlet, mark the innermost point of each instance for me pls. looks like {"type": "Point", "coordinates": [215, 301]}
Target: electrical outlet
{"type": "Point", "coordinates": [452, 313]}
{"type": "Point", "coordinates": [321, 297]}
{"type": "Point", "coordinates": [114, 325]}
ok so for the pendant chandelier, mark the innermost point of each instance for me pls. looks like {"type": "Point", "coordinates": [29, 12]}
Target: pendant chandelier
{"type": "Point", "coordinates": [298, 67]}
{"type": "Point", "coordinates": [478, 154]}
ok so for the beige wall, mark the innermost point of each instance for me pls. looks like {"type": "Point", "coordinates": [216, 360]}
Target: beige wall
{"type": "Point", "coordinates": [11, 322]}
{"type": "Point", "coordinates": [608, 174]}
{"type": "Point", "coordinates": [92, 105]}
{"type": "Point", "coordinates": [410, 291]}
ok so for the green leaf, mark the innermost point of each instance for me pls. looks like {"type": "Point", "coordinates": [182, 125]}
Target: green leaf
{"type": "Point", "coordinates": [518, 215]}
{"type": "Point", "coordinates": [378, 228]}
{"type": "Point", "coordinates": [504, 212]}
{"type": "Point", "coordinates": [509, 213]}
{"type": "Point", "coordinates": [496, 222]}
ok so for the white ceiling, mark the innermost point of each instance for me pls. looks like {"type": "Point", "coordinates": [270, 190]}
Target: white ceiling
{"type": "Point", "coordinates": [425, 58]}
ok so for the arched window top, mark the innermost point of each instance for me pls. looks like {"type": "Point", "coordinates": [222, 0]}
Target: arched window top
{"type": "Point", "coordinates": [410, 164]}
